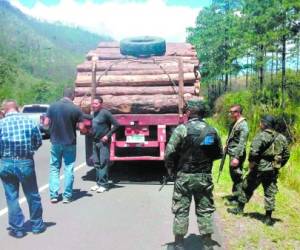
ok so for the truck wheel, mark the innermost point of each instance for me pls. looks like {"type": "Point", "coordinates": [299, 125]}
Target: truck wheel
{"type": "Point", "coordinates": [144, 46]}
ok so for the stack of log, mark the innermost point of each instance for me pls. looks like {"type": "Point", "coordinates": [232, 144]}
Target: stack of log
{"type": "Point", "coordinates": [137, 85]}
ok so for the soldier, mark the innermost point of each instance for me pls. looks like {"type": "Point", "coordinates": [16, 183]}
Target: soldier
{"type": "Point", "coordinates": [236, 148]}
{"type": "Point", "coordinates": [194, 146]}
{"type": "Point", "coordinates": [268, 153]}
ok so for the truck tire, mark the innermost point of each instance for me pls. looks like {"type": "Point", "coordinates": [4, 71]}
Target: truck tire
{"type": "Point", "coordinates": [144, 46]}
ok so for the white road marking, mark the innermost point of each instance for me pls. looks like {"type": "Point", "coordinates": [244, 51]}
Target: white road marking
{"type": "Point", "coordinates": [41, 189]}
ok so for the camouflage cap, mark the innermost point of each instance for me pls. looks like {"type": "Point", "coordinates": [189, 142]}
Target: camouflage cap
{"type": "Point", "coordinates": [198, 106]}
{"type": "Point", "coordinates": [268, 120]}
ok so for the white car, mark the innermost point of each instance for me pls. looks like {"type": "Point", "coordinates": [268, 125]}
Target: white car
{"type": "Point", "coordinates": [37, 112]}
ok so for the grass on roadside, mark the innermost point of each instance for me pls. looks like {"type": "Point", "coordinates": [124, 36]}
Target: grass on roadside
{"type": "Point", "coordinates": [248, 231]}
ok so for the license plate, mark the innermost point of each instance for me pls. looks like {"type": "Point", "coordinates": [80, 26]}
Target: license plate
{"type": "Point", "coordinates": [135, 138]}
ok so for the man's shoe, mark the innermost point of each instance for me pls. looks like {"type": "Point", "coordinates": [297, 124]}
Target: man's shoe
{"type": "Point", "coordinates": [66, 200]}
{"type": "Point", "coordinates": [43, 229]}
{"type": "Point", "coordinates": [16, 234]}
{"type": "Point", "coordinates": [101, 189]}
{"type": "Point", "coordinates": [235, 210]}
{"type": "Point", "coordinates": [53, 200]}
{"type": "Point", "coordinates": [94, 188]}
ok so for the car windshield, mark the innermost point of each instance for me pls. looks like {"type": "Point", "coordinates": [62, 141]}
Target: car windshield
{"type": "Point", "coordinates": [35, 109]}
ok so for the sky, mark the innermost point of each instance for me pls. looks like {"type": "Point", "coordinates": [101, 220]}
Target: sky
{"type": "Point", "coordinates": [120, 18]}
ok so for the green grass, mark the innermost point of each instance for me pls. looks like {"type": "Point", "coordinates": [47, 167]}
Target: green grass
{"type": "Point", "coordinates": [248, 232]}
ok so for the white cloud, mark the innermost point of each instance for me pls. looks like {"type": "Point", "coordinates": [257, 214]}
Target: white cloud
{"type": "Point", "coordinates": [120, 19]}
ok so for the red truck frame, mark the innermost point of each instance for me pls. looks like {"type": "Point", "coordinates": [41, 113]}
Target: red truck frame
{"type": "Point", "coordinates": [141, 137]}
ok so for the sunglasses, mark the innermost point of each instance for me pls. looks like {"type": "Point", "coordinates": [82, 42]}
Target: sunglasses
{"type": "Point", "coordinates": [233, 111]}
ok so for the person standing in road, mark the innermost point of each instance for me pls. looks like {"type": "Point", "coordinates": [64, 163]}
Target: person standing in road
{"type": "Point", "coordinates": [236, 148]}
{"type": "Point", "coordinates": [62, 118]}
{"type": "Point", "coordinates": [103, 126]}
{"type": "Point", "coordinates": [19, 139]}
{"type": "Point", "coordinates": [268, 153]}
{"type": "Point", "coordinates": [191, 151]}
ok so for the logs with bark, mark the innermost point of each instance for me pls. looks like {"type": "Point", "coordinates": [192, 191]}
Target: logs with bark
{"type": "Point", "coordinates": [85, 80]}
{"type": "Point", "coordinates": [121, 91]}
{"type": "Point", "coordinates": [137, 85]}
{"type": "Point", "coordinates": [136, 104]}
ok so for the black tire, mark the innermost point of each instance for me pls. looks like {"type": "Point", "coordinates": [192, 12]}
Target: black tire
{"type": "Point", "coordinates": [144, 46]}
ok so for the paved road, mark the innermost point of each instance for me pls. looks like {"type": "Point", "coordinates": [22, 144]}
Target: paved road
{"type": "Point", "coordinates": [132, 215]}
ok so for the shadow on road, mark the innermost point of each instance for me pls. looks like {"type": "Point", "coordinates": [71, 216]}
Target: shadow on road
{"type": "Point", "coordinates": [132, 172]}
{"type": "Point", "coordinates": [193, 242]}
{"type": "Point", "coordinates": [27, 226]}
{"type": "Point", "coordinates": [78, 194]}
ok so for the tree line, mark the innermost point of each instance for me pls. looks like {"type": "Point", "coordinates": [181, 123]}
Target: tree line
{"type": "Point", "coordinates": [250, 40]}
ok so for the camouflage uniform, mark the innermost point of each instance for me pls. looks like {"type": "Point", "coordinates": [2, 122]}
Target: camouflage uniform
{"type": "Point", "coordinates": [236, 148]}
{"type": "Point", "coordinates": [269, 151]}
{"type": "Point", "coordinates": [193, 178]}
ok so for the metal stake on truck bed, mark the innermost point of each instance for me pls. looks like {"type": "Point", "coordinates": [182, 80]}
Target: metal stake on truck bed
{"type": "Point", "coordinates": [181, 86]}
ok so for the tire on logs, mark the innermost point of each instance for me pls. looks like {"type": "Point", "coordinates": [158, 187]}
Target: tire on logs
{"type": "Point", "coordinates": [144, 46]}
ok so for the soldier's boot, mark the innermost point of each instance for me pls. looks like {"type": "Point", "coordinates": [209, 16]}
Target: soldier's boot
{"type": "Point", "coordinates": [179, 242]}
{"type": "Point", "coordinates": [268, 218]}
{"type": "Point", "coordinates": [207, 242]}
{"type": "Point", "coordinates": [237, 210]}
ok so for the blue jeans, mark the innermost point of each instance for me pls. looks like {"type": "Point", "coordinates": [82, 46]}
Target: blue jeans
{"type": "Point", "coordinates": [101, 162]}
{"type": "Point", "coordinates": [12, 173]}
{"type": "Point", "coordinates": [67, 153]}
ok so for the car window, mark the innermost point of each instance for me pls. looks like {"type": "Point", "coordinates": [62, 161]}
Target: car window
{"type": "Point", "coordinates": [35, 109]}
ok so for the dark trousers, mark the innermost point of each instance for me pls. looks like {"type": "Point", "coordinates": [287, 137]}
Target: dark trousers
{"type": "Point", "coordinates": [101, 162]}
{"type": "Point", "coordinates": [13, 173]}
{"type": "Point", "coordinates": [268, 179]}
{"type": "Point", "coordinates": [236, 174]}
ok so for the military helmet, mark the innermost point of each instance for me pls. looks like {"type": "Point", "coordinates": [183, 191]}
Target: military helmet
{"type": "Point", "coordinates": [198, 106]}
{"type": "Point", "coordinates": [268, 120]}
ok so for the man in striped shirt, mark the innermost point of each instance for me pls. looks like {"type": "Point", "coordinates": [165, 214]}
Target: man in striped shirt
{"type": "Point", "coordinates": [19, 139]}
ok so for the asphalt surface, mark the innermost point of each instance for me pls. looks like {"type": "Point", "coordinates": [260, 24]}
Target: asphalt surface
{"type": "Point", "coordinates": [132, 215]}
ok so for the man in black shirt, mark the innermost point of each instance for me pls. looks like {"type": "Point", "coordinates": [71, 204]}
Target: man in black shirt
{"type": "Point", "coordinates": [102, 130]}
{"type": "Point", "coordinates": [62, 118]}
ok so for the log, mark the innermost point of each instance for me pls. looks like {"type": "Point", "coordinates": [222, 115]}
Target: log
{"type": "Point", "coordinates": [132, 80]}
{"type": "Point", "coordinates": [136, 104]}
{"type": "Point", "coordinates": [115, 52]}
{"type": "Point", "coordinates": [117, 91]}
{"type": "Point", "coordinates": [100, 57]}
{"type": "Point", "coordinates": [154, 71]}
{"type": "Point", "coordinates": [157, 71]}
{"type": "Point", "coordinates": [134, 66]}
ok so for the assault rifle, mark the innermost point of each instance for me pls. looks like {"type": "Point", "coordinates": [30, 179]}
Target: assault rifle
{"type": "Point", "coordinates": [222, 161]}
{"type": "Point", "coordinates": [166, 179]}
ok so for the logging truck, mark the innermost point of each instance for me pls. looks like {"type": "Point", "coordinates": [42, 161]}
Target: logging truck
{"type": "Point", "coordinates": [145, 84]}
